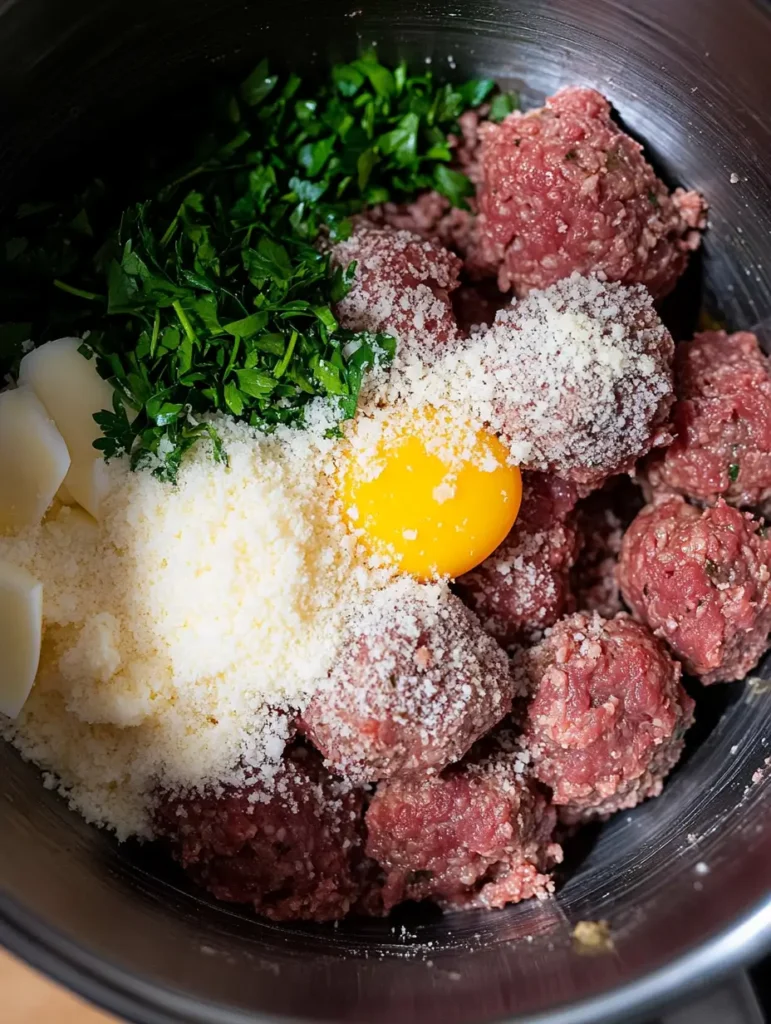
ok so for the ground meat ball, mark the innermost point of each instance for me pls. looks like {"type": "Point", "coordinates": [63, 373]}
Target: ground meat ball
{"type": "Point", "coordinates": [700, 579]}
{"type": "Point", "coordinates": [293, 850]}
{"type": "Point", "coordinates": [582, 378]}
{"type": "Point", "coordinates": [402, 286]}
{"type": "Point", "coordinates": [478, 835]}
{"type": "Point", "coordinates": [416, 682]}
{"type": "Point", "coordinates": [606, 721]}
{"type": "Point", "coordinates": [563, 189]}
{"type": "Point", "coordinates": [722, 422]}
{"type": "Point", "coordinates": [602, 519]}
{"type": "Point", "coordinates": [524, 586]}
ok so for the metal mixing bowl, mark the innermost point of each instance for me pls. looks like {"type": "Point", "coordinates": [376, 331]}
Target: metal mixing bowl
{"type": "Point", "coordinates": [692, 78]}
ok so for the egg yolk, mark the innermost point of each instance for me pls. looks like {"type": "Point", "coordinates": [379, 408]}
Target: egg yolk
{"type": "Point", "coordinates": [433, 495]}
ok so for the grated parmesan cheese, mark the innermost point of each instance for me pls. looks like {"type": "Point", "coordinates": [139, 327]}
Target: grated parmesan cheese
{"type": "Point", "coordinates": [180, 627]}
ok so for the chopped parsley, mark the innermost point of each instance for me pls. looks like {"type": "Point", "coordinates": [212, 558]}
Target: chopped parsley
{"type": "Point", "coordinates": [503, 104]}
{"type": "Point", "coordinates": [212, 296]}
{"type": "Point", "coordinates": [733, 472]}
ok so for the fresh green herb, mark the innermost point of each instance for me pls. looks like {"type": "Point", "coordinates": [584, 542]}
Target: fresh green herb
{"type": "Point", "coordinates": [217, 316]}
{"type": "Point", "coordinates": [733, 472]}
{"type": "Point", "coordinates": [653, 199]}
{"type": "Point", "coordinates": [213, 296]}
{"type": "Point", "coordinates": [503, 104]}
{"type": "Point", "coordinates": [711, 568]}
{"type": "Point", "coordinates": [571, 155]}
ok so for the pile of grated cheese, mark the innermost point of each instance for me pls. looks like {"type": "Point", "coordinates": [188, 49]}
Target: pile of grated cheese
{"type": "Point", "coordinates": [185, 629]}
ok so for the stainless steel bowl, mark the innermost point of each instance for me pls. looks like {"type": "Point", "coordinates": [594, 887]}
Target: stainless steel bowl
{"type": "Point", "coordinates": [693, 79]}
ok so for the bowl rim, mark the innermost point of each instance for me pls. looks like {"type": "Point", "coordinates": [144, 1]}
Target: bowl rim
{"type": "Point", "coordinates": [142, 1001]}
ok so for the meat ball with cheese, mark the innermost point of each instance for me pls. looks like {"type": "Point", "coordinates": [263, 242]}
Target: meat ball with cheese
{"type": "Point", "coordinates": [721, 422]}
{"type": "Point", "coordinates": [524, 586]}
{"type": "Point", "coordinates": [607, 715]}
{"type": "Point", "coordinates": [416, 682]}
{"type": "Point", "coordinates": [702, 581]}
{"type": "Point", "coordinates": [402, 287]}
{"type": "Point", "coordinates": [478, 835]}
{"type": "Point", "coordinates": [581, 378]}
{"type": "Point", "coordinates": [293, 848]}
{"type": "Point", "coordinates": [563, 189]}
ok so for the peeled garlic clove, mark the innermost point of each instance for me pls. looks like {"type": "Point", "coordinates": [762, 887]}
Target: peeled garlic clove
{"type": "Point", "coordinates": [64, 497]}
{"type": "Point", "coordinates": [33, 459]}
{"type": "Point", "coordinates": [21, 633]}
{"type": "Point", "coordinates": [68, 385]}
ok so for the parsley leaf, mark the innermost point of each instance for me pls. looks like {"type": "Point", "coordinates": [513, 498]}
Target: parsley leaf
{"type": "Point", "coordinates": [502, 105]}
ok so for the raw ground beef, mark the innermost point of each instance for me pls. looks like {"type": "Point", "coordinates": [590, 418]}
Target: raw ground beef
{"type": "Point", "coordinates": [294, 853]}
{"type": "Point", "coordinates": [478, 835]}
{"type": "Point", "coordinates": [402, 287]}
{"type": "Point", "coordinates": [524, 586]}
{"type": "Point", "coordinates": [722, 423]}
{"type": "Point", "coordinates": [701, 580]}
{"type": "Point", "coordinates": [416, 682]}
{"type": "Point", "coordinates": [602, 519]}
{"type": "Point", "coordinates": [433, 218]}
{"type": "Point", "coordinates": [563, 189]}
{"type": "Point", "coordinates": [607, 716]}
{"type": "Point", "coordinates": [582, 378]}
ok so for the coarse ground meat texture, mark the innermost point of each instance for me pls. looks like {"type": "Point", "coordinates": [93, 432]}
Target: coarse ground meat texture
{"type": "Point", "coordinates": [602, 519]}
{"type": "Point", "coordinates": [416, 682]}
{"type": "Point", "coordinates": [433, 217]}
{"type": "Point", "coordinates": [563, 189]}
{"type": "Point", "coordinates": [295, 852]}
{"type": "Point", "coordinates": [722, 423]}
{"type": "Point", "coordinates": [401, 287]}
{"type": "Point", "coordinates": [524, 586]}
{"type": "Point", "coordinates": [582, 378]}
{"type": "Point", "coordinates": [478, 835]}
{"type": "Point", "coordinates": [700, 579]}
{"type": "Point", "coordinates": [607, 716]}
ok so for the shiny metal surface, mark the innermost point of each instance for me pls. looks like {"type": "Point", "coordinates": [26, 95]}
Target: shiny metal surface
{"type": "Point", "coordinates": [692, 78]}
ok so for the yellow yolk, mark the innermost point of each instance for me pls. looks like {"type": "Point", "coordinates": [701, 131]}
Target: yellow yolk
{"type": "Point", "coordinates": [431, 494]}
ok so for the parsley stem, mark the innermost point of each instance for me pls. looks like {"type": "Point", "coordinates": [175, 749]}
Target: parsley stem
{"type": "Point", "coordinates": [183, 319]}
{"type": "Point", "coordinates": [280, 369]}
{"type": "Point", "coordinates": [169, 232]}
{"type": "Point", "coordinates": [156, 329]}
{"type": "Point", "coordinates": [91, 296]}
{"type": "Point", "coordinates": [232, 360]}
